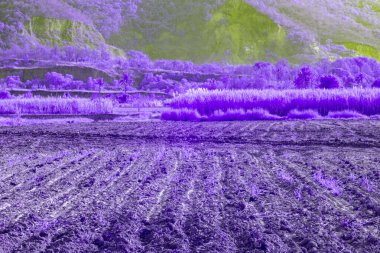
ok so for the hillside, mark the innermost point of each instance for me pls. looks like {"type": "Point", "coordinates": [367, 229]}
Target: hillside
{"type": "Point", "coordinates": [233, 31]}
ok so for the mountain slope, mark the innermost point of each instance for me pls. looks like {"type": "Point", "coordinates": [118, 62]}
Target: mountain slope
{"type": "Point", "coordinates": [239, 31]}
{"type": "Point", "coordinates": [335, 26]}
{"type": "Point", "coordinates": [233, 31]}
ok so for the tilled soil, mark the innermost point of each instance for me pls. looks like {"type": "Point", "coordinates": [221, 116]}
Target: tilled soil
{"type": "Point", "coordinates": [297, 186]}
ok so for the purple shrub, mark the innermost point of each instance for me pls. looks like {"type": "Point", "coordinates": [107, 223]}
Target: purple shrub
{"type": "Point", "coordinates": [376, 83]}
{"type": "Point", "coordinates": [12, 81]}
{"type": "Point", "coordinates": [58, 81]}
{"type": "Point", "coordinates": [99, 83]}
{"type": "Point", "coordinates": [90, 84]}
{"type": "Point", "coordinates": [304, 78]}
{"type": "Point", "coordinates": [139, 59]}
{"type": "Point", "coordinates": [329, 82]}
{"type": "Point", "coordinates": [181, 115]}
{"type": "Point", "coordinates": [359, 78]}
{"type": "Point", "coordinates": [122, 98]}
{"type": "Point", "coordinates": [125, 81]}
{"type": "Point", "coordinates": [306, 114]}
{"type": "Point", "coordinates": [5, 95]}
{"type": "Point", "coordinates": [28, 95]}
{"type": "Point", "coordinates": [212, 84]}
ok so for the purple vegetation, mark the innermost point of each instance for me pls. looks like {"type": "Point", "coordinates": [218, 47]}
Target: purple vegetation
{"type": "Point", "coordinates": [55, 106]}
{"type": "Point", "coordinates": [303, 115]}
{"type": "Point", "coordinates": [376, 83]}
{"type": "Point", "coordinates": [191, 188]}
{"type": "Point", "coordinates": [329, 82]}
{"type": "Point", "coordinates": [242, 115]}
{"type": "Point", "coordinates": [174, 76]}
{"type": "Point", "coordinates": [304, 79]}
{"type": "Point", "coordinates": [229, 115]}
{"type": "Point", "coordinates": [280, 103]}
{"type": "Point", "coordinates": [181, 115]}
{"type": "Point", "coordinates": [55, 80]}
{"type": "Point", "coordinates": [5, 95]}
{"type": "Point", "coordinates": [346, 114]}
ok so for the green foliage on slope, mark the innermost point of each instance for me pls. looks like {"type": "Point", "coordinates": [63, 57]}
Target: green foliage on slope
{"type": "Point", "coordinates": [63, 32]}
{"type": "Point", "coordinates": [234, 32]}
{"type": "Point", "coordinates": [363, 49]}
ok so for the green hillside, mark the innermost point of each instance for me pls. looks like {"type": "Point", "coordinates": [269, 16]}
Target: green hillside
{"type": "Point", "coordinates": [235, 32]}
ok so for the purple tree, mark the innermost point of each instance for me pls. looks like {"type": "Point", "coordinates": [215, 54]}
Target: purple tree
{"type": "Point", "coordinates": [305, 78]}
{"type": "Point", "coordinates": [329, 82]}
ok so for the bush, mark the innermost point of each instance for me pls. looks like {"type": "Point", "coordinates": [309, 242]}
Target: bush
{"type": "Point", "coordinates": [181, 115]}
{"type": "Point", "coordinates": [304, 79]}
{"type": "Point", "coordinates": [12, 81]}
{"type": "Point", "coordinates": [57, 80]}
{"type": "Point", "coordinates": [28, 95]}
{"type": "Point", "coordinates": [122, 98]}
{"type": "Point", "coordinates": [5, 95]}
{"type": "Point", "coordinates": [329, 82]}
{"type": "Point", "coordinates": [376, 83]}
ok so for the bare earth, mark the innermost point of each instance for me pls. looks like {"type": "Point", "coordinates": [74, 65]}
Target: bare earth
{"type": "Point", "coordinates": [191, 187]}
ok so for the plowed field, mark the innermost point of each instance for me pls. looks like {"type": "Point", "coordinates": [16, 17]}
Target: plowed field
{"type": "Point", "coordinates": [191, 187]}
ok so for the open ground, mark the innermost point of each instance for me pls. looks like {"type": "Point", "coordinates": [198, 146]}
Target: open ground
{"type": "Point", "coordinates": [273, 186]}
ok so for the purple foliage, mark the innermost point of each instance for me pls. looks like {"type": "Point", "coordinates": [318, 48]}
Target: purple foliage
{"type": "Point", "coordinates": [376, 83]}
{"type": "Point", "coordinates": [304, 79]}
{"type": "Point", "coordinates": [139, 59]}
{"type": "Point", "coordinates": [55, 106]}
{"type": "Point", "coordinates": [181, 115]}
{"type": "Point", "coordinates": [99, 82]}
{"type": "Point", "coordinates": [281, 102]}
{"type": "Point", "coordinates": [12, 81]}
{"type": "Point", "coordinates": [346, 114]}
{"type": "Point", "coordinates": [28, 95]}
{"type": "Point", "coordinates": [329, 82]}
{"type": "Point", "coordinates": [125, 79]}
{"type": "Point", "coordinates": [122, 98]}
{"type": "Point", "coordinates": [5, 95]}
{"type": "Point", "coordinates": [229, 115]}
{"type": "Point", "coordinates": [57, 80]}
{"type": "Point", "coordinates": [241, 115]}
{"type": "Point", "coordinates": [359, 78]}
{"type": "Point", "coordinates": [303, 115]}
